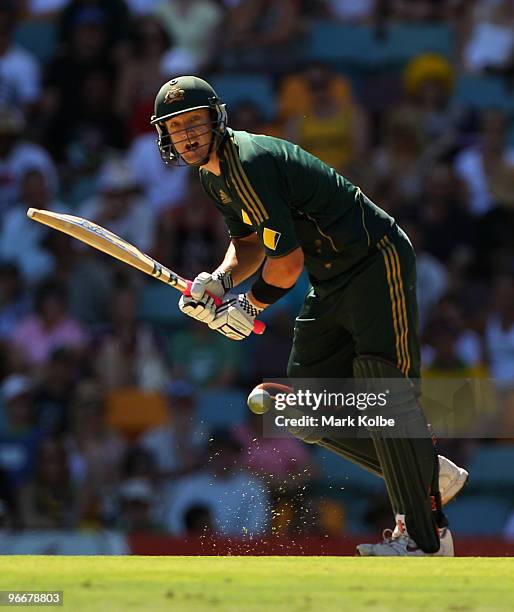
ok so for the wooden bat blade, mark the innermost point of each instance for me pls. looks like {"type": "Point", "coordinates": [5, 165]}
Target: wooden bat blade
{"type": "Point", "coordinates": [103, 240]}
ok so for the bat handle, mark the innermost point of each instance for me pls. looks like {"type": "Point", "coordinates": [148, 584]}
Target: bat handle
{"type": "Point", "coordinates": [259, 327]}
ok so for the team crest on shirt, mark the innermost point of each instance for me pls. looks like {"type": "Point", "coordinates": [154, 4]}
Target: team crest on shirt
{"type": "Point", "coordinates": [224, 197]}
{"type": "Point", "coordinates": [174, 94]}
{"type": "Point", "coordinates": [270, 238]}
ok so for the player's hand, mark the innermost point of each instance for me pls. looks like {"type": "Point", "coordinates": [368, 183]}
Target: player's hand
{"type": "Point", "coordinates": [200, 304]}
{"type": "Point", "coordinates": [235, 317]}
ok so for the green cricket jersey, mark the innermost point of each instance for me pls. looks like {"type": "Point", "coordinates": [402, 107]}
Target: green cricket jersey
{"type": "Point", "coordinates": [291, 198]}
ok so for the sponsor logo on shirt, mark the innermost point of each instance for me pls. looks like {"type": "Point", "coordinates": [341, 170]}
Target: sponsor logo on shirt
{"type": "Point", "coordinates": [224, 197]}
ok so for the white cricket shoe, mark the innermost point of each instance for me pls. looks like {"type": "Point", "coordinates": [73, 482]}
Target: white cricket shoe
{"type": "Point", "coordinates": [396, 544]}
{"type": "Point", "coordinates": [451, 479]}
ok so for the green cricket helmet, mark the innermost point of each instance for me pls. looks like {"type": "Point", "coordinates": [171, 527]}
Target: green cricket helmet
{"type": "Point", "coordinates": [180, 95]}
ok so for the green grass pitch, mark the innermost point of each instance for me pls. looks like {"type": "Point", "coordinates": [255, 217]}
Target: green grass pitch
{"type": "Point", "coordinates": [273, 584]}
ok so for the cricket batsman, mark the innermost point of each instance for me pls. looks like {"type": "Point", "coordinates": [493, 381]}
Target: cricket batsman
{"type": "Point", "coordinates": [286, 209]}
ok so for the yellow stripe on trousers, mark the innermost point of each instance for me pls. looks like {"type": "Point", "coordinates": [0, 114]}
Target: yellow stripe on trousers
{"type": "Point", "coordinates": [403, 307]}
{"type": "Point", "coordinates": [395, 283]}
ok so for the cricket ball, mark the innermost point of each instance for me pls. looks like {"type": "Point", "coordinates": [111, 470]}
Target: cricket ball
{"type": "Point", "coordinates": [259, 401]}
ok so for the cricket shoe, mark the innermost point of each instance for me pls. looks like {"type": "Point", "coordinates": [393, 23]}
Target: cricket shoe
{"type": "Point", "coordinates": [396, 544]}
{"type": "Point", "coordinates": [452, 479]}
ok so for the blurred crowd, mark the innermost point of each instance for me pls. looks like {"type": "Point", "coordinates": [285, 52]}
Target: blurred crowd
{"type": "Point", "coordinates": [100, 376]}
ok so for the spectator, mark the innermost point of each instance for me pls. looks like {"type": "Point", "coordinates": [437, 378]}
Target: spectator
{"type": "Point", "coordinates": [500, 332]}
{"type": "Point", "coordinates": [432, 276]}
{"type": "Point", "coordinates": [499, 339]}
{"type": "Point", "coordinates": [50, 327]}
{"type": "Point", "coordinates": [51, 499]}
{"type": "Point", "coordinates": [140, 75]}
{"type": "Point", "coordinates": [397, 168]}
{"type": "Point", "coordinates": [55, 391]}
{"type": "Point", "coordinates": [19, 432]}
{"type": "Point", "coordinates": [188, 236]}
{"type": "Point", "coordinates": [490, 42]}
{"type": "Point", "coordinates": [136, 507]}
{"type": "Point", "coordinates": [17, 156]}
{"type": "Point", "coordinates": [449, 186]}
{"type": "Point", "coordinates": [119, 206]}
{"type": "Point", "coordinates": [452, 404]}
{"type": "Point", "coordinates": [79, 267]}
{"type": "Point", "coordinates": [296, 96]}
{"type": "Point", "coordinates": [493, 244]}
{"type": "Point", "coordinates": [14, 303]}
{"type": "Point", "coordinates": [445, 221]}
{"type": "Point", "coordinates": [22, 242]}
{"type": "Point", "coordinates": [263, 33]}
{"type": "Point", "coordinates": [140, 465]}
{"type": "Point", "coordinates": [272, 351]}
{"type": "Point", "coordinates": [445, 359]}
{"type": "Point", "coordinates": [178, 444]}
{"type": "Point", "coordinates": [237, 503]}
{"type": "Point", "coordinates": [192, 24]}
{"type": "Point", "coordinates": [95, 130]}
{"type": "Point", "coordinates": [89, 269]}
{"type": "Point", "coordinates": [177, 60]}
{"type": "Point", "coordinates": [163, 185]}
{"type": "Point", "coordinates": [139, 462]}
{"type": "Point", "coordinates": [78, 89]}
{"type": "Point", "coordinates": [281, 463]}
{"type": "Point", "coordinates": [456, 343]}
{"type": "Point", "coordinates": [19, 71]}
{"type": "Point", "coordinates": [207, 360]}
{"type": "Point", "coordinates": [114, 15]}
{"type": "Point", "coordinates": [97, 451]}
{"type": "Point", "coordinates": [285, 467]}
{"type": "Point", "coordinates": [330, 125]}
{"type": "Point", "coordinates": [248, 116]}
{"type": "Point", "coordinates": [428, 85]}
{"type": "Point", "coordinates": [128, 353]}
{"type": "Point", "coordinates": [476, 165]}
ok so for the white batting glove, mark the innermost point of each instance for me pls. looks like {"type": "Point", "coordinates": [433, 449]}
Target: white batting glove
{"type": "Point", "coordinates": [200, 305]}
{"type": "Point", "coordinates": [235, 317]}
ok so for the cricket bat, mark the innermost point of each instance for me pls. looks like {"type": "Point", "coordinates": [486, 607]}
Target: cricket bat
{"type": "Point", "coordinates": [103, 240]}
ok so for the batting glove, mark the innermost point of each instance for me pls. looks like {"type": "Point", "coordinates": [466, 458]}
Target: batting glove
{"type": "Point", "coordinates": [235, 317]}
{"type": "Point", "coordinates": [200, 305]}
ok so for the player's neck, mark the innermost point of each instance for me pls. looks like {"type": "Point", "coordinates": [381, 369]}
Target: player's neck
{"type": "Point", "coordinates": [213, 165]}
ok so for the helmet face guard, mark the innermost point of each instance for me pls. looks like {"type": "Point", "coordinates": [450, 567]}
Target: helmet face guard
{"type": "Point", "coordinates": [181, 95]}
{"type": "Point", "coordinates": [168, 150]}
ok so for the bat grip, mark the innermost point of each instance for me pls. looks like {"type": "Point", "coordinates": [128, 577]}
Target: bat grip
{"type": "Point", "coordinates": [258, 326]}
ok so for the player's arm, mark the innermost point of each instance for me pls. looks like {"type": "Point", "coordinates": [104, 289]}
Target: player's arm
{"type": "Point", "coordinates": [283, 265]}
{"type": "Point", "coordinates": [243, 258]}
{"type": "Point", "coordinates": [236, 316]}
{"type": "Point", "coordinates": [281, 272]}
